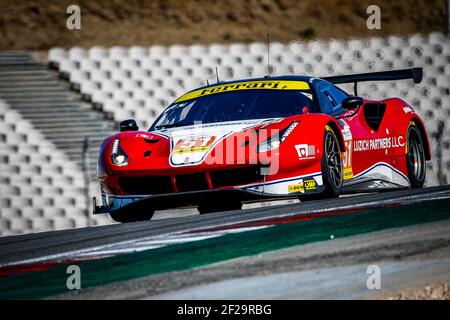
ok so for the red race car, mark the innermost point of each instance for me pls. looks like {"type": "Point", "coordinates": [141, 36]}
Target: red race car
{"type": "Point", "coordinates": [274, 137]}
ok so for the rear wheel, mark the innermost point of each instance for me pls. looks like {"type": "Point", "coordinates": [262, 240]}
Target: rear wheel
{"type": "Point", "coordinates": [128, 215]}
{"type": "Point", "coordinates": [415, 158]}
{"type": "Point", "coordinates": [331, 168]}
{"type": "Point", "coordinates": [210, 207]}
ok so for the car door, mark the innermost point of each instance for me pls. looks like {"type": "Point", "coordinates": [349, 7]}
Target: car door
{"type": "Point", "coordinates": [364, 142]}
{"type": "Point", "coordinates": [367, 159]}
{"type": "Point", "coordinates": [330, 100]}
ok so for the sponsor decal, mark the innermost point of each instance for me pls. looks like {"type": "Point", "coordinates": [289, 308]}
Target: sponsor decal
{"type": "Point", "coordinates": [408, 109]}
{"type": "Point", "coordinates": [348, 173]}
{"type": "Point", "coordinates": [282, 186]}
{"type": "Point", "coordinates": [305, 151]}
{"type": "Point", "coordinates": [193, 144]}
{"type": "Point", "coordinates": [296, 187]}
{"type": "Point", "coordinates": [247, 85]}
{"type": "Point", "coordinates": [309, 184]}
{"type": "Point", "coordinates": [144, 135]}
{"type": "Point", "coordinates": [342, 123]}
{"type": "Point", "coordinates": [347, 160]}
{"type": "Point", "coordinates": [347, 134]}
{"type": "Point", "coordinates": [379, 143]}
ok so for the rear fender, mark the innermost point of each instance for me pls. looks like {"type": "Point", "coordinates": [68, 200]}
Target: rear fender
{"type": "Point", "coordinates": [401, 115]}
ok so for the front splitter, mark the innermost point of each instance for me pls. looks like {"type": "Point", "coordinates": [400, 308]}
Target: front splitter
{"type": "Point", "coordinates": [192, 198]}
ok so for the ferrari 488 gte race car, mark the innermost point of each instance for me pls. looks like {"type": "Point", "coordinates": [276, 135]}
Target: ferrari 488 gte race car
{"type": "Point", "coordinates": [268, 138]}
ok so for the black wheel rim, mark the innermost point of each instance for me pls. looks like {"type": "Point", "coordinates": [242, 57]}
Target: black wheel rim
{"type": "Point", "coordinates": [334, 161]}
{"type": "Point", "coordinates": [416, 156]}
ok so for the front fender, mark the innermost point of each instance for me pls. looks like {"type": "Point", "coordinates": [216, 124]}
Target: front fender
{"type": "Point", "coordinates": [302, 151]}
{"type": "Point", "coordinates": [312, 128]}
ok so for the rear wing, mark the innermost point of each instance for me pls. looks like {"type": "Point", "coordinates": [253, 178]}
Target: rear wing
{"type": "Point", "coordinates": [413, 73]}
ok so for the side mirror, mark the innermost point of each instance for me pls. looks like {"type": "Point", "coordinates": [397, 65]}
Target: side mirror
{"type": "Point", "coordinates": [350, 103]}
{"type": "Point", "coordinates": [128, 125]}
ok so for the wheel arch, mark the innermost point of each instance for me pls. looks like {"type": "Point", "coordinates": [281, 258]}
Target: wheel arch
{"type": "Point", "coordinates": [338, 134]}
{"type": "Point", "coordinates": [419, 124]}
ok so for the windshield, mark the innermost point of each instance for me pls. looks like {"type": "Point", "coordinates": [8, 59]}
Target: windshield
{"type": "Point", "coordinates": [234, 106]}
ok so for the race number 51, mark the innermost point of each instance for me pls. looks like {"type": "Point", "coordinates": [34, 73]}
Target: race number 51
{"type": "Point", "coordinates": [347, 160]}
{"type": "Point", "coordinates": [347, 155]}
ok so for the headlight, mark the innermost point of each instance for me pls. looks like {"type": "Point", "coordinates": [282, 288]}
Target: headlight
{"type": "Point", "coordinates": [268, 145]}
{"type": "Point", "coordinates": [275, 141]}
{"type": "Point", "coordinates": [118, 156]}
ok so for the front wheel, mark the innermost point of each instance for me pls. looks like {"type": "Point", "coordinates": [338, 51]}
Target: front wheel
{"type": "Point", "coordinates": [331, 168]}
{"type": "Point", "coordinates": [415, 157]}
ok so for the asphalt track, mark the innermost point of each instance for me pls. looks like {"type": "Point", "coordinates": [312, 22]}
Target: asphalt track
{"type": "Point", "coordinates": [17, 249]}
{"type": "Point", "coordinates": [18, 252]}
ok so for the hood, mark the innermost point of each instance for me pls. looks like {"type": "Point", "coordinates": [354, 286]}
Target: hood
{"type": "Point", "coordinates": [160, 152]}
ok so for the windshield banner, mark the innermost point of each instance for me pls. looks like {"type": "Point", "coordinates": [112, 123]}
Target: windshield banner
{"type": "Point", "coordinates": [248, 85]}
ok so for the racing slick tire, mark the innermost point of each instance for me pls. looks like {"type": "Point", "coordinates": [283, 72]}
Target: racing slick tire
{"type": "Point", "coordinates": [415, 157]}
{"type": "Point", "coordinates": [127, 215]}
{"type": "Point", "coordinates": [332, 172]}
{"type": "Point", "coordinates": [209, 207]}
